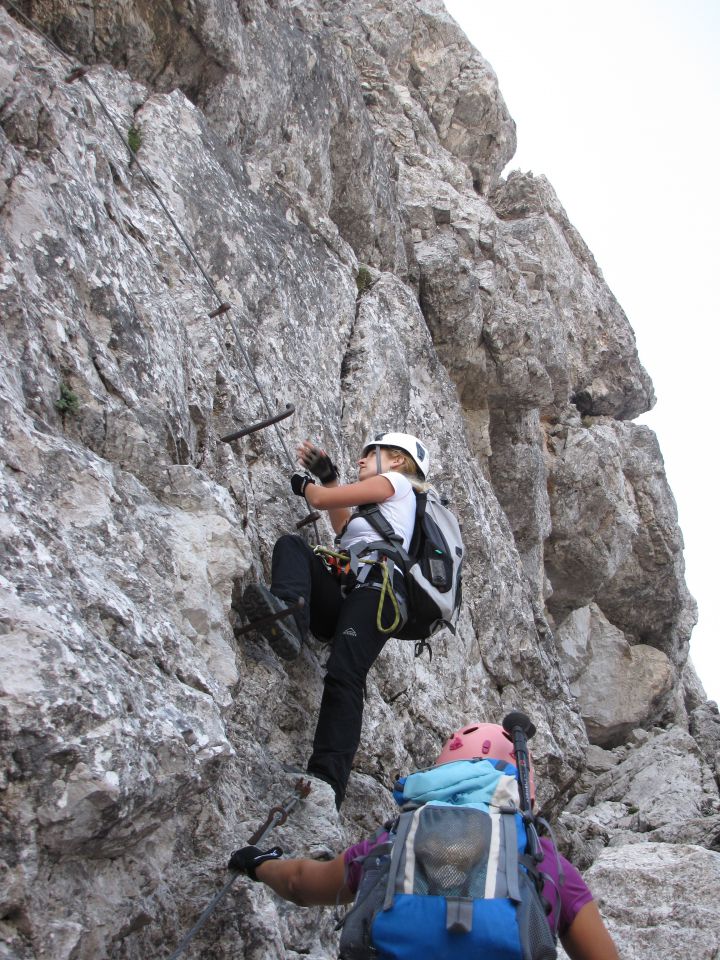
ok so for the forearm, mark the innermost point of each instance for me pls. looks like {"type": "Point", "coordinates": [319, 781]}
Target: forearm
{"type": "Point", "coordinates": [307, 883]}
{"type": "Point", "coordinates": [338, 516]}
{"type": "Point", "coordinates": [284, 877]}
{"type": "Point", "coordinates": [588, 937]}
{"type": "Point", "coordinates": [340, 497]}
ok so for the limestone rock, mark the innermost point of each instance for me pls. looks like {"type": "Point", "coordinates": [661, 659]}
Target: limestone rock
{"type": "Point", "coordinates": [611, 535]}
{"type": "Point", "coordinates": [580, 839]}
{"type": "Point", "coordinates": [693, 690]}
{"type": "Point", "coordinates": [598, 760]}
{"type": "Point", "coordinates": [335, 169]}
{"type": "Point", "coordinates": [664, 781]}
{"type": "Point", "coordinates": [617, 685]}
{"type": "Point", "coordinates": [700, 831]}
{"type": "Point", "coordinates": [642, 893]}
{"type": "Point", "coordinates": [705, 729]}
{"type": "Point", "coordinates": [594, 363]}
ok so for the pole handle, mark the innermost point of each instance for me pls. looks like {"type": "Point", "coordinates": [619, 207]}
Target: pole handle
{"type": "Point", "coordinates": [521, 728]}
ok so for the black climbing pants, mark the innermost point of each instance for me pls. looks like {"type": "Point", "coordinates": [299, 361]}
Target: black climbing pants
{"type": "Point", "coordinates": [351, 622]}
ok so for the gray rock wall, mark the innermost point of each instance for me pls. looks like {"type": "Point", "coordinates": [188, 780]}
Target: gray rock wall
{"type": "Point", "coordinates": [336, 168]}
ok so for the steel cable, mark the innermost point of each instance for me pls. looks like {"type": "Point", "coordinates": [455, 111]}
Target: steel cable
{"type": "Point", "coordinates": [80, 73]}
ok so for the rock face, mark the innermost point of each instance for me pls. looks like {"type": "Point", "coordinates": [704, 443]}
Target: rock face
{"type": "Point", "coordinates": [335, 170]}
{"type": "Point", "coordinates": [617, 684]}
{"type": "Point", "coordinates": [642, 892]}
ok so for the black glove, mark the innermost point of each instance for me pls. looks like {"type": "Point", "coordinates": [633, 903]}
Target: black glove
{"type": "Point", "coordinates": [248, 858]}
{"type": "Point", "coordinates": [320, 464]}
{"type": "Point", "coordinates": [298, 482]}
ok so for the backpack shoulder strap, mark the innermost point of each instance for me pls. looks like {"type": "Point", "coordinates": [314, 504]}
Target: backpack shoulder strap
{"type": "Point", "coordinates": [378, 521]}
{"type": "Point", "coordinates": [405, 822]}
{"type": "Point", "coordinates": [420, 507]}
{"type": "Point", "coordinates": [372, 513]}
{"type": "Point", "coordinates": [509, 826]}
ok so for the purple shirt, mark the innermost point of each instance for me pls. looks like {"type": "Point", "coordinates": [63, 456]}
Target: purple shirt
{"type": "Point", "coordinates": [574, 892]}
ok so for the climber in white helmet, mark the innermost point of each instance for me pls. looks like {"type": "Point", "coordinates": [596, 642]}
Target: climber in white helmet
{"type": "Point", "coordinates": [350, 610]}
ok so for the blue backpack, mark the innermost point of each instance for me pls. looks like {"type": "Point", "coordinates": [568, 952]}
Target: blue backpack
{"type": "Point", "coordinates": [453, 879]}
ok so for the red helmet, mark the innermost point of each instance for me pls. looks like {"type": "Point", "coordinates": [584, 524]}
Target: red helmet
{"type": "Point", "coordinates": [480, 741]}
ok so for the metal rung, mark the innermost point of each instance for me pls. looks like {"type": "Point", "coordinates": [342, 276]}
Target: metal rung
{"type": "Point", "coordinates": [260, 425]}
{"type": "Point", "coordinates": [76, 74]}
{"type": "Point", "coordinates": [280, 615]}
{"type": "Point", "coordinates": [310, 518]}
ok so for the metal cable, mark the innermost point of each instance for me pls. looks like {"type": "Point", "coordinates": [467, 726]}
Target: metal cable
{"type": "Point", "coordinates": [133, 156]}
{"type": "Point", "coordinates": [277, 816]}
{"type": "Point", "coordinates": [220, 895]}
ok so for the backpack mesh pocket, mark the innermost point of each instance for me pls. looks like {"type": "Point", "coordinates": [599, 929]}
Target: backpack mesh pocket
{"type": "Point", "coordinates": [536, 937]}
{"type": "Point", "coordinates": [451, 851]}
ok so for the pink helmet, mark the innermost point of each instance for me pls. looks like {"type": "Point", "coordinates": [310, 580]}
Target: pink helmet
{"type": "Point", "coordinates": [479, 741]}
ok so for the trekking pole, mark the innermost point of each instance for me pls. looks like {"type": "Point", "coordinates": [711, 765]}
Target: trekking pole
{"type": "Point", "coordinates": [277, 815]}
{"type": "Point", "coordinates": [521, 729]}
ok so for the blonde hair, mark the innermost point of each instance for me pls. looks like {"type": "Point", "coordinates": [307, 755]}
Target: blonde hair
{"type": "Point", "coordinates": [409, 468]}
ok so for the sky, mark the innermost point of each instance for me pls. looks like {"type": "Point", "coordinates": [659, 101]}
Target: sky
{"type": "Point", "coordinates": [618, 105]}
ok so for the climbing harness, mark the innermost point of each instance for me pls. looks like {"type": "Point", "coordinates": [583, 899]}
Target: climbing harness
{"type": "Point", "coordinates": [340, 564]}
{"type": "Point", "coordinates": [81, 73]}
{"type": "Point", "coordinates": [336, 562]}
{"type": "Point", "coordinates": [276, 817]}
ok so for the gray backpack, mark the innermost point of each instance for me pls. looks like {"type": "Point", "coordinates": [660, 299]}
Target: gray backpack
{"type": "Point", "coordinates": [432, 564]}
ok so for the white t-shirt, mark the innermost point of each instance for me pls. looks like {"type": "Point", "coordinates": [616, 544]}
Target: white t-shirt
{"type": "Point", "coordinates": [398, 510]}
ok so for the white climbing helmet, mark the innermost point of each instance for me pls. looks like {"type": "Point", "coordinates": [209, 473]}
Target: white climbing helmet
{"type": "Point", "coordinates": [403, 441]}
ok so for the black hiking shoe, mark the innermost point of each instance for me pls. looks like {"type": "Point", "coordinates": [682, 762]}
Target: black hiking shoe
{"type": "Point", "coordinates": [283, 634]}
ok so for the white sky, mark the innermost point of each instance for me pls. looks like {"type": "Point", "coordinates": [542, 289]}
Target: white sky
{"type": "Point", "coordinates": [618, 104]}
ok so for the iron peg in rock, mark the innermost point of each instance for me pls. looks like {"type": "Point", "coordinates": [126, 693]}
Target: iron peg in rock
{"type": "Point", "coordinates": [260, 425]}
{"type": "Point", "coordinates": [76, 74]}
{"type": "Point", "coordinates": [310, 518]}
{"type": "Point", "coordinates": [290, 609]}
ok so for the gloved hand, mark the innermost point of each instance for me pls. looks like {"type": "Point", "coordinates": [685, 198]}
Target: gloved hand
{"type": "Point", "coordinates": [298, 482]}
{"type": "Point", "coordinates": [247, 859]}
{"type": "Point", "coordinates": [317, 462]}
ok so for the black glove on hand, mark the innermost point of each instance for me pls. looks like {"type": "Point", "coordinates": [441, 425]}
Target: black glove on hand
{"type": "Point", "coordinates": [298, 482]}
{"type": "Point", "coordinates": [320, 464]}
{"type": "Point", "coordinates": [248, 858]}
